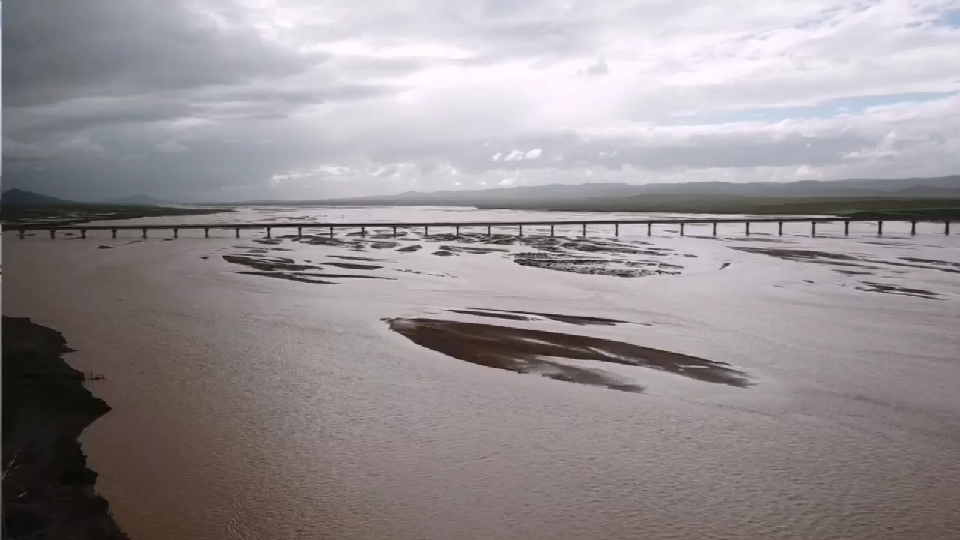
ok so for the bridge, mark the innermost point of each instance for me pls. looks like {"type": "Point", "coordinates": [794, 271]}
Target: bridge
{"type": "Point", "coordinates": [489, 225]}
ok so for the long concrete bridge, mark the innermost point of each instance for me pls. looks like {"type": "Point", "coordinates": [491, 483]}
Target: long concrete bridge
{"type": "Point", "coordinates": [489, 225]}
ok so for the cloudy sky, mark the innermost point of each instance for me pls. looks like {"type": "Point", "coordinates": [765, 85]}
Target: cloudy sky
{"type": "Point", "coordinates": [241, 99]}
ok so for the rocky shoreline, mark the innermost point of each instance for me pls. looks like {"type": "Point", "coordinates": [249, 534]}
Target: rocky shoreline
{"type": "Point", "coordinates": [48, 490]}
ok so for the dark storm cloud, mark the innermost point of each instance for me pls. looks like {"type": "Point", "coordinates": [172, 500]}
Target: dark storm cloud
{"type": "Point", "coordinates": [61, 49]}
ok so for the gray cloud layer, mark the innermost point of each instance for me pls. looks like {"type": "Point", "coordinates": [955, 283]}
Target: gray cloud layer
{"type": "Point", "coordinates": [218, 99]}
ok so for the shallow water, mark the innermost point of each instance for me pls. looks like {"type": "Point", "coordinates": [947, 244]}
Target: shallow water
{"type": "Point", "coordinates": [250, 407]}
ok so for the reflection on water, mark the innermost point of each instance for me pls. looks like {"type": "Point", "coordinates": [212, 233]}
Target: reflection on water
{"type": "Point", "coordinates": [246, 407]}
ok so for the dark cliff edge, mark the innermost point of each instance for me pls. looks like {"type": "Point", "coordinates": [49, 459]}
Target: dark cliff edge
{"type": "Point", "coordinates": [48, 491]}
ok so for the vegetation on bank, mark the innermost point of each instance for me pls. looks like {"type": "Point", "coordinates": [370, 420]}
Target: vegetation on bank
{"type": "Point", "coordinates": [76, 213]}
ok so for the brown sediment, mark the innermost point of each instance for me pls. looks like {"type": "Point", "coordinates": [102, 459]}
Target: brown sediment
{"type": "Point", "coordinates": [492, 314]}
{"type": "Point", "coordinates": [353, 266]}
{"type": "Point", "coordinates": [309, 277]}
{"type": "Point", "coordinates": [471, 250]}
{"type": "Point", "coordinates": [48, 491]}
{"type": "Point", "coordinates": [803, 255]}
{"type": "Point", "coordinates": [852, 272]}
{"type": "Point", "coordinates": [870, 286]}
{"type": "Point", "coordinates": [287, 276]}
{"type": "Point", "coordinates": [518, 315]}
{"type": "Point", "coordinates": [268, 263]}
{"type": "Point", "coordinates": [533, 352]}
{"type": "Point", "coordinates": [443, 253]}
{"type": "Point", "coordinates": [354, 258]}
{"type": "Point", "coordinates": [842, 259]}
{"type": "Point", "coordinates": [324, 240]}
{"type": "Point", "coordinates": [594, 266]}
{"type": "Point", "coordinates": [410, 249]}
{"type": "Point", "coordinates": [930, 261]}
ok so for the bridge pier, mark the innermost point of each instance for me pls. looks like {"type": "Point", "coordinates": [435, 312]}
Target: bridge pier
{"type": "Point", "coordinates": [81, 230]}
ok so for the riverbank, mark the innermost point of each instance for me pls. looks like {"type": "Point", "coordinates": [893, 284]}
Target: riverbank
{"type": "Point", "coordinates": [48, 490]}
{"type": "Point", "coordinates": [74, 214]}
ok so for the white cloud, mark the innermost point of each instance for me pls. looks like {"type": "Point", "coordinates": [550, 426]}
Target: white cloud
{"type": "Point", "coordinates": [515, 155]}
{"type": "Point", "coordinates": [532, 154]}
{"type": "Point", "coordinates": [506, 182]}
{"type": "Point", "coordinates": [496, 157]}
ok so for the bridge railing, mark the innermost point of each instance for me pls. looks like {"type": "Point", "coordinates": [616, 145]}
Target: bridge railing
{"type": "Point", "coordinates": [489, 225]}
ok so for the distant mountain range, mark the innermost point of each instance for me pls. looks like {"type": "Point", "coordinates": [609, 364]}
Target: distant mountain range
{"type": "Point", "coordinates": [563, 194]}
{"type": "Point", "coordinates": [20, 197]}
{"type": "Point", "coordinates": [609, 196]}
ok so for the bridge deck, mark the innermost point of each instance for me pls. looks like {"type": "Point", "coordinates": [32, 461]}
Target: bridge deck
{"type": "Point", "coordinates": [437, 224]}
{"type": "Point", "coordinates": [457, 225]}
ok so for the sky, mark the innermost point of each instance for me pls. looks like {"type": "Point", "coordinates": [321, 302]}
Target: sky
{"type": "Point", "coordinates": [290, 99]}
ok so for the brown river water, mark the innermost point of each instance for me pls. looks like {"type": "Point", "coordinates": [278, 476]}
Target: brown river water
{"type": "Point", "coordinates": [657, 387]}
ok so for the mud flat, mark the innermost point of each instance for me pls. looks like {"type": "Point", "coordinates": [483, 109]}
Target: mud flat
{"type": "Point", "coordinates": [871, 286]}
{"type": "Point", "coordinates": [590, 256]}
{"type": "Point", "coordinates": [517, 315]}
{"type": "Point", "coordinates": [290, 270]}
{"type": "Point", "coordinates": [547, 353]}
{"type": "Point", "coordinates": [48, 491]}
